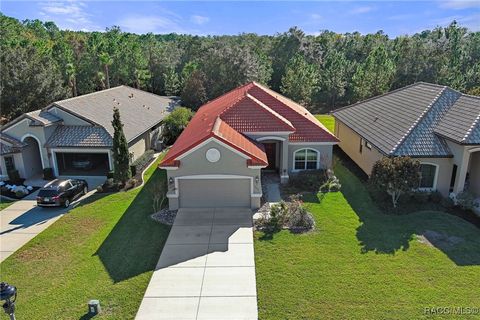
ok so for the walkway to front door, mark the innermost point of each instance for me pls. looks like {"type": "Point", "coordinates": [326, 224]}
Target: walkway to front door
{"type": "Point", "coordinates": [206, 269]}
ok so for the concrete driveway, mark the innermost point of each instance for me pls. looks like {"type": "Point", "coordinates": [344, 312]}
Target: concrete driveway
{"type": "Point", "coordinates": [206, 269]}
{"type": "Point", "coordinates": [23, 220]}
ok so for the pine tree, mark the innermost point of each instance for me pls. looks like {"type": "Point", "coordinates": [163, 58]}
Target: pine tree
{"type": "Point", "coordinates": [375, 75]}
{"type": "Point", "coordinates": [172, 83]}
{"type": "Point", "coordinates": [300, 80]}
{"type": "Point", "coordinates": [121, 157]}
{"type": "Point", "coordinates": [194, 93]}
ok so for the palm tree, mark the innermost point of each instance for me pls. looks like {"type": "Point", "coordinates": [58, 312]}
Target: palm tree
{"type": "Point", "coordinates": [141, 77]}
{"type": "Point", "coordinates": [106, 61]}
{"type": "Point", "coordinates": [72, 78]}
{"type": "Point", "coordinates": [101, 78]}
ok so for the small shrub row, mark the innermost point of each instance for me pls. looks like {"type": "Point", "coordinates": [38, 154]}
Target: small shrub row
{"type": "Point", "coordinates": [307, 181]}
{"type": "Point", "coordinates": [142, 161]}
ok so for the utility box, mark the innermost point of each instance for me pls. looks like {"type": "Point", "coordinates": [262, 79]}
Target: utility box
{"type": "Point", "coordinates": [94, 307]}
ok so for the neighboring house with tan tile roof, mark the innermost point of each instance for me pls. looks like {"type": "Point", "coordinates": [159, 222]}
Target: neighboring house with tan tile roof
{"type": "Point", "coordinates": [74, 136]}
{"type": "Point", "coordinates": [219, 158]}
{"type": "Point", "coordinates": [435, 124]}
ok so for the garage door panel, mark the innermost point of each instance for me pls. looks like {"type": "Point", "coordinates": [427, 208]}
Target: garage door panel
{"type": "Point", "coordinates": [204, 193]}
{"type": "Point", "coordinates": [82, 163]}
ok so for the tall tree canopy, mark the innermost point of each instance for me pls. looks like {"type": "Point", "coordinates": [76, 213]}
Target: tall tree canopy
{"type": "Point", "coordinates": [300, 80]}
{"type": "Point", "coordinates": [41, 63]}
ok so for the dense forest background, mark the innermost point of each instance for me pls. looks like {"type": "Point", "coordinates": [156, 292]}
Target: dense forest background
{"type": "Point", "coordinates": [41, 64]}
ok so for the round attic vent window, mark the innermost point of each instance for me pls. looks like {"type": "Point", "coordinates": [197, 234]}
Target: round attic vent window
{"type": "Point", "coordinates": [213, 155]}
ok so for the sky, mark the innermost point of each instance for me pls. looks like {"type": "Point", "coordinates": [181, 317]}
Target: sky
{"type": "Point", "coordinates": [263, 17]}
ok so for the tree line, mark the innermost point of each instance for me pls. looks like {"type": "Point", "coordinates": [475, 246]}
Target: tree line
{"type": "Point", "coordinates": [41, 63]}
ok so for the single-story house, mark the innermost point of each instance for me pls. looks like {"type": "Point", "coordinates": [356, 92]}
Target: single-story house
{"type": "Point", "coordinates": [218, 158]}
{"type": "Point", "coordinates": [74, 136]}
{"type": "Point", "coordinates": [435, 124]}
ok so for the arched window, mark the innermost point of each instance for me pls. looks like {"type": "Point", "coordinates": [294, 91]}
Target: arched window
{"type": "Point", "coordinates": [429, 176]}
{"type": "Point", "coordinates": [305, 159]}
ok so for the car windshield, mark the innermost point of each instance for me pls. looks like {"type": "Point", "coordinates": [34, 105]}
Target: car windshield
{"type": "Point", "coordinates": [47, 193]}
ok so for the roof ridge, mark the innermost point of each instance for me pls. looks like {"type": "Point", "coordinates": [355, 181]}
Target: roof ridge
{"type": "Point", "coordinates": [316, 122]}
{"type": "Point", "coordinates": [264, 106]}
{"type": "Point", "coordinates": [419, 119]}
{"type": "Point", "coordinates": [216, 125]}
{"type": "Point", "coordinates": [224, 94]}
{"type": "Point", "coordinates": [470, 130]}
{"type": "Point", "coordinates": [379, 96]}
{"type": "Point", "coordinates": [89, 94]}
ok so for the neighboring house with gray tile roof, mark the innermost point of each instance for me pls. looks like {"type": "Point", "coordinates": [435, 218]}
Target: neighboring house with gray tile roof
{"type": "Point", "coordinates": [74, 136]}
{"type": "Point", "coordinates": [435, 124]}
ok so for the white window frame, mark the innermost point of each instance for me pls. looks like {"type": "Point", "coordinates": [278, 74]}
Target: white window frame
{"type": "Point", "coordinates": [435, 178]}
{"type": "Point", "coordinates": [304, 149]}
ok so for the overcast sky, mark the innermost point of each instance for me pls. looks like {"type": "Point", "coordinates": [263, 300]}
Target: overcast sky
{"type": "Point", "coordinates": [266, 17]}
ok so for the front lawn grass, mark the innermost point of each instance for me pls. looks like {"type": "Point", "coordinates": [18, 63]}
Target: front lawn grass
{"type": "Point", "coordinates": [105, 249]}
{"type": "Point", "coordinates": [4, 203]}
{"type": "Point", "coordinates": [360, 263]}
{"type": "Point", "coordinates": [327, 120]}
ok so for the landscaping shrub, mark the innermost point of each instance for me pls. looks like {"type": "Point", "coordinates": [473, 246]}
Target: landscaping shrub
{"type": "Point", "coordinates": [332, 184]}
{"type": "Point", "coordinates": [133, 170]}
{"type": "Point", "coordinates": [396, 176]}
{"type": "Point", "coordinates": [466, 200]}
{"type": "Point", "coordinates": [436, 197]}
{"type": "Point", "coordinates": [297, 215]}
{"type": "Point", "coordinates": [278, 214]}
{"type": "Point", "coordinates": [110, 175]}
{"type": "Point", "coordinates": [132, 182]}
{"type": "Point", "coordinates": [14, 177]}
{"type": "Point", "coordinates": [447, 203]}
{"type": "Point", "coordinates": [174, 123]}
{"type": "Point", "coordinates": [48, 174]}
{"type": "Point", "coordinates": [291, 215]}
{"type": "Point", "coordinates": [420, 196]}
{"type": "Point", "coordinates": [310, 180]}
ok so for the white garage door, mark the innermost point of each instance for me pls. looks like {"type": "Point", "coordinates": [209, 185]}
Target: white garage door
{"type": "Point", "coordinates": [202, 193]}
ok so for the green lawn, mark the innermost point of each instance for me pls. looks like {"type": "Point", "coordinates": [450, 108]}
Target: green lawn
{"type": "Point", "coordinates": [363, 264]}
{"type": "Point", "coordinates": [105, 249]}
{"type": "Point", "coordinates": [327, 120]}
{"type": "Point", "coordinates": [5, 203]}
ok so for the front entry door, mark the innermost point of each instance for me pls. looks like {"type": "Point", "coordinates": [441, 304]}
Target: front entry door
{"type": "Point", "coordinates": [271, 151]}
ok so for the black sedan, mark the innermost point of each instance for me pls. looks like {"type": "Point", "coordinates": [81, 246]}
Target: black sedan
{"type": "Point", "coordinates": [61, 192]}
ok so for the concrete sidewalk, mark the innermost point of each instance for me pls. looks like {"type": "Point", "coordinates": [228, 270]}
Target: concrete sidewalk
{"type": "Point", "coordinates": [206, 269]}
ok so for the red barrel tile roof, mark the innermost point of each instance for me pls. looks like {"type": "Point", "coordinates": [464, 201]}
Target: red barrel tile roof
{"type": "Point", "coordinates": [249, 108]}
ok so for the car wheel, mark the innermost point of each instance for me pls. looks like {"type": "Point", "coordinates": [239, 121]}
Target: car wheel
{"type": "Point", "coordinates": [67, 203]}
{"type": "Point", "coordinates": [85, 190]}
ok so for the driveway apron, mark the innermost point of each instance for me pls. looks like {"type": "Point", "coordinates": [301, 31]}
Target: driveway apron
{"type": "Point", "coordinates": [206, 269]}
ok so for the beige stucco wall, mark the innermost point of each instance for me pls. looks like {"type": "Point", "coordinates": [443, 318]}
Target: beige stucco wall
{"type": "Point", "coordinates": [230, 163]}
{"type": "Point", "coordinates": [139, 146]}
{"type": "Point", "coordinates": [350, 144]}
{"type": "Point", "coordinates": [21, 130]}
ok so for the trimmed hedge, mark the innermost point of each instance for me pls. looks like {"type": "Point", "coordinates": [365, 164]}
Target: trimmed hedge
{"type": "Point", "coordinates": [139, 164]}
